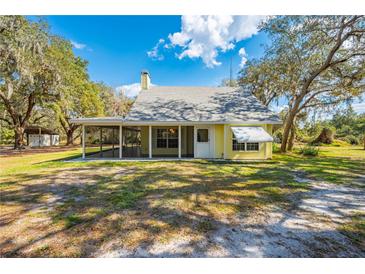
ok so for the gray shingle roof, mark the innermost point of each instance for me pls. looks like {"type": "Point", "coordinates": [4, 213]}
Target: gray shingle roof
{"type": "Point", "coordinates": [203, 104]}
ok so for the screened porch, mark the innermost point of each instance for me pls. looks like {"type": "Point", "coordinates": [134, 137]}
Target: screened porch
{"type": "Point", "coordinates": [123, 142]}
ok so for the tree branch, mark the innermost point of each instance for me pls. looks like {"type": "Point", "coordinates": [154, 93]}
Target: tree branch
{"type": "Point", "coordinates": [6, 120]}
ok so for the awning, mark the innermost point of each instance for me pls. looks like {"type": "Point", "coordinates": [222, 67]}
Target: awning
{"type": "Point", "coordinates": [251, 135]}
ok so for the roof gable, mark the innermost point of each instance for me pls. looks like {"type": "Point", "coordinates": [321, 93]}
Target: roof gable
{"type": "Point", "coordinates": [199, 104]}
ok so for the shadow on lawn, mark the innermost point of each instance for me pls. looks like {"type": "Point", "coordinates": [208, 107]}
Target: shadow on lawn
{"type": "Point", "coordinates": [133, 206]}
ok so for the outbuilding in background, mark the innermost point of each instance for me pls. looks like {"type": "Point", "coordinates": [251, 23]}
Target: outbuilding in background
{"type": "Point", "coordinates": [41, 137]}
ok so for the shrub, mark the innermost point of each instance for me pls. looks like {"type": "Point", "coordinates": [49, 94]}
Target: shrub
{"type": "Point", "coordinates": [309, 151]}
{"type": "Point", "coordinates": [278, 136]}
{"type": "Point", "coordinates": [351, 139]}
{"type": "Point", "coordinates": [275, 148]}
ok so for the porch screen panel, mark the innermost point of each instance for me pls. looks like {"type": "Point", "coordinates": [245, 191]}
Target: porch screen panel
{"type": "Point", "coordinates": [102, 141]}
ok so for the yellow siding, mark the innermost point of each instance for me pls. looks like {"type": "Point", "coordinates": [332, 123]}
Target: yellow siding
{"type": "Point", "coordinates": [219, 141]}
{"type": "Point", "coordinates": [144, 140]}
{"type": "Point", "coordinates": [265, 149]}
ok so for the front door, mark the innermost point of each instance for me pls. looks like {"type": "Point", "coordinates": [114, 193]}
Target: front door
{"type": "Point", "coordinates": [203, 142]}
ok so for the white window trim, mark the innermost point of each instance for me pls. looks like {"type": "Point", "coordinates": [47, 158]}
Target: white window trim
{"type": "Point", "coordinates": [167, 139]}
{"type": "Point", "coordinates": [198, 135]}
{"type": "Point", "coordinates": [245, 147]}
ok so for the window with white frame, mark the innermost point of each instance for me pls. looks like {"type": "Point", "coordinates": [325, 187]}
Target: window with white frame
{"type": "Point", "coordinates": [203, 135]}
{"type": "Point", "coordinates": [167, 138]}
{"type": "Point", "coordinates": [252, 146]}
{"type": "Point", "coordinates": [236, 146]}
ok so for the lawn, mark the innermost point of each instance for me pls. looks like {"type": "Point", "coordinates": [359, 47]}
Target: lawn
{"type": "Point", "coordinates": [53, 208]}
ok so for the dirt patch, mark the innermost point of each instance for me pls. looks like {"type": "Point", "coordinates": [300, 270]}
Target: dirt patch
{"type": "Point", "coordinates": [307, 229]}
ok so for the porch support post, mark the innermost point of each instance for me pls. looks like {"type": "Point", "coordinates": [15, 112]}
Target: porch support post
{"type": "Point", "coordinates": [179, 140]}
{"type": "Point", "coordinates": [101, 142]}
{"type": "Point", "coordinates": [120, 142]}
{"type": "Point", "coordinates": [83, 141]}
{"type": "Point", "coordinates": [195, 142]}
{"type": "Point", "coordinates": [224, 142]}
{"type": "Point", "coordinates": [150, 142]}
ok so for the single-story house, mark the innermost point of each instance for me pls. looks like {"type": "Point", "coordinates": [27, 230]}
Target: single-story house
{"type": "Point", "coordinates": [41, 137]}
{"type": "Point", "coordinates": [183, 122]}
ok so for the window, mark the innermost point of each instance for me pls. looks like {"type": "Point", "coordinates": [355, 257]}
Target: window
{"type": "Point", "coordinates": [237, 146]}
{"type": "Point", "coordinates": [252, 146]}
{"type": "Point", "coordinates": [167, 138]}
{"type": "Point", "coordinates": [161, 138]}
{"type": "Point", "coordinates": [172, 139]}
{"type": "Point", "coordinates": [202, 134]}
{"type": "Point", "coordinates": [244, 146]}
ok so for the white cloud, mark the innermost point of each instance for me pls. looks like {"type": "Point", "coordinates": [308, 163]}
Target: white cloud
{"type": "Point", "coordinates": [77, 45]}
{"type": "Point", "coordinates": [242, 53]}
{"type": "Point", "coordinates": [131, 90]}
{"type": "Point", "coordinates": [359, 107]}
{"type": "Point", "coordinates": [206, 36]}
{"type": "Point", "coordinates": [154, 53]}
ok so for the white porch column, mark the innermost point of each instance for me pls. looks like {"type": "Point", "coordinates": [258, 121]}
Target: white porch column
{"type": "Point", "coordinates": [83, 141]}
{"type": "Point", "coordinates": [195, 142]}
{"type": "Point", "coordinates": [120, 142]}
{"type": "Point", "coordinates": [150, 142]}
{"type": "Point", "coordinates": [179, 140]}
{"type": "Point", "coordinates": [224, 142]}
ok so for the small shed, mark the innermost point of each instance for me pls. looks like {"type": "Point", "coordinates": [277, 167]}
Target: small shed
{"type": "Point", "coordinates": [41, 137]}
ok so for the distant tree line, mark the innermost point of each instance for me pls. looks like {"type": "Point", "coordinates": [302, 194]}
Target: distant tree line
{"type": "Point", "coordinates": [42, 82]}
{"type": "Point", "coordinates": [314, 63]}
{"type": "Point", "coordinates": [345, 127]}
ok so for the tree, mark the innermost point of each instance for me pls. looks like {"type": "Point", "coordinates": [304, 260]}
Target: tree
{"type": "Point", "coordinates": [78, 96]}
{"type": "Point", "coordinates": [114, 105]}
{"type": "Point", "coordinates": [259, 77]}
{"type": "Point", "coordinates": [316, 62]}
{"type": "Point", "coordinates": [28, 77]}
{"type": "Point", "coordinates": [344, 118]}
{"type": "Point", "coordinates": [226, 82]}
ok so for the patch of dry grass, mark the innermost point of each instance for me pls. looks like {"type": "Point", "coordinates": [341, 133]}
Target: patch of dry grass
{"type": "Point", "coordinates": [355, 229]}
{"type": "Point", "coordinates": [51, 208]}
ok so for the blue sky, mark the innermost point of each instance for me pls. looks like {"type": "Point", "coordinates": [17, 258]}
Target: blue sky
{"type": "Point", "coordinates": [116, 48]}
{"type": "Point", "coordinates": [176, 50]}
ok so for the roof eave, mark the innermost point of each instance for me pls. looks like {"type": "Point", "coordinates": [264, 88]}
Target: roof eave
{"type": "Point", "coordinates": [119, 121]}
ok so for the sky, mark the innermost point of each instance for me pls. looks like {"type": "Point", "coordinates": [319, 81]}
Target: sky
{"type": "Point", "coordinates": [118, 48]}
{"type": "Point", "coordinates": [176, 50]}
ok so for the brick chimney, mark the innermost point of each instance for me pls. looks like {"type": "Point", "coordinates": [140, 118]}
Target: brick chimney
{"type": "Point", "coordinates": [145, 80]}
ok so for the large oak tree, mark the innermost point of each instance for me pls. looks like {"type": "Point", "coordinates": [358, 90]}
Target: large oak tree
{"type": "Point", "coordinates": [78, 96]}
{"type": "Point", "coordinates": [312, 62]}
{"type": "Point", "coordinates": [28, 76]}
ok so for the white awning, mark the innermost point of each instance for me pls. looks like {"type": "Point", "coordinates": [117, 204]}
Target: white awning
{"type": "Point", "coordinates": [251, 135]}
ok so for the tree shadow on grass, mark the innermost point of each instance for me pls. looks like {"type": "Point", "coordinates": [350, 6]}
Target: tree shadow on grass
{"type": "Point", "coordinates": [134, 208]}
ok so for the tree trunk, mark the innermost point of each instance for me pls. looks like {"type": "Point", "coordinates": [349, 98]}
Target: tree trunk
{"type": "Point", "coordinates": [70, 137]}
{"type": "Point", "coordinates": [19, 137]}
{"type": "Point", "coordinates": [364, 141]}
{"type": "Point", "coordinates": [291, 138]}
{"type": "Point", "coordinates": [288, 125]}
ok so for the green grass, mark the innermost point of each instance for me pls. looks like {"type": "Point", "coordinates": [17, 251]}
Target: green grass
{"type": "Point", "coordinates": [72, 220]}
{"type": "Point", "coordinates": [355, 229]}
{"type": "Point", "coordinates": [75, 205]}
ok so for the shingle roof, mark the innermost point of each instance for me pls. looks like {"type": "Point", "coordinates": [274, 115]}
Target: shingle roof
{"type": "Point", "coordinates": [203, 104]}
